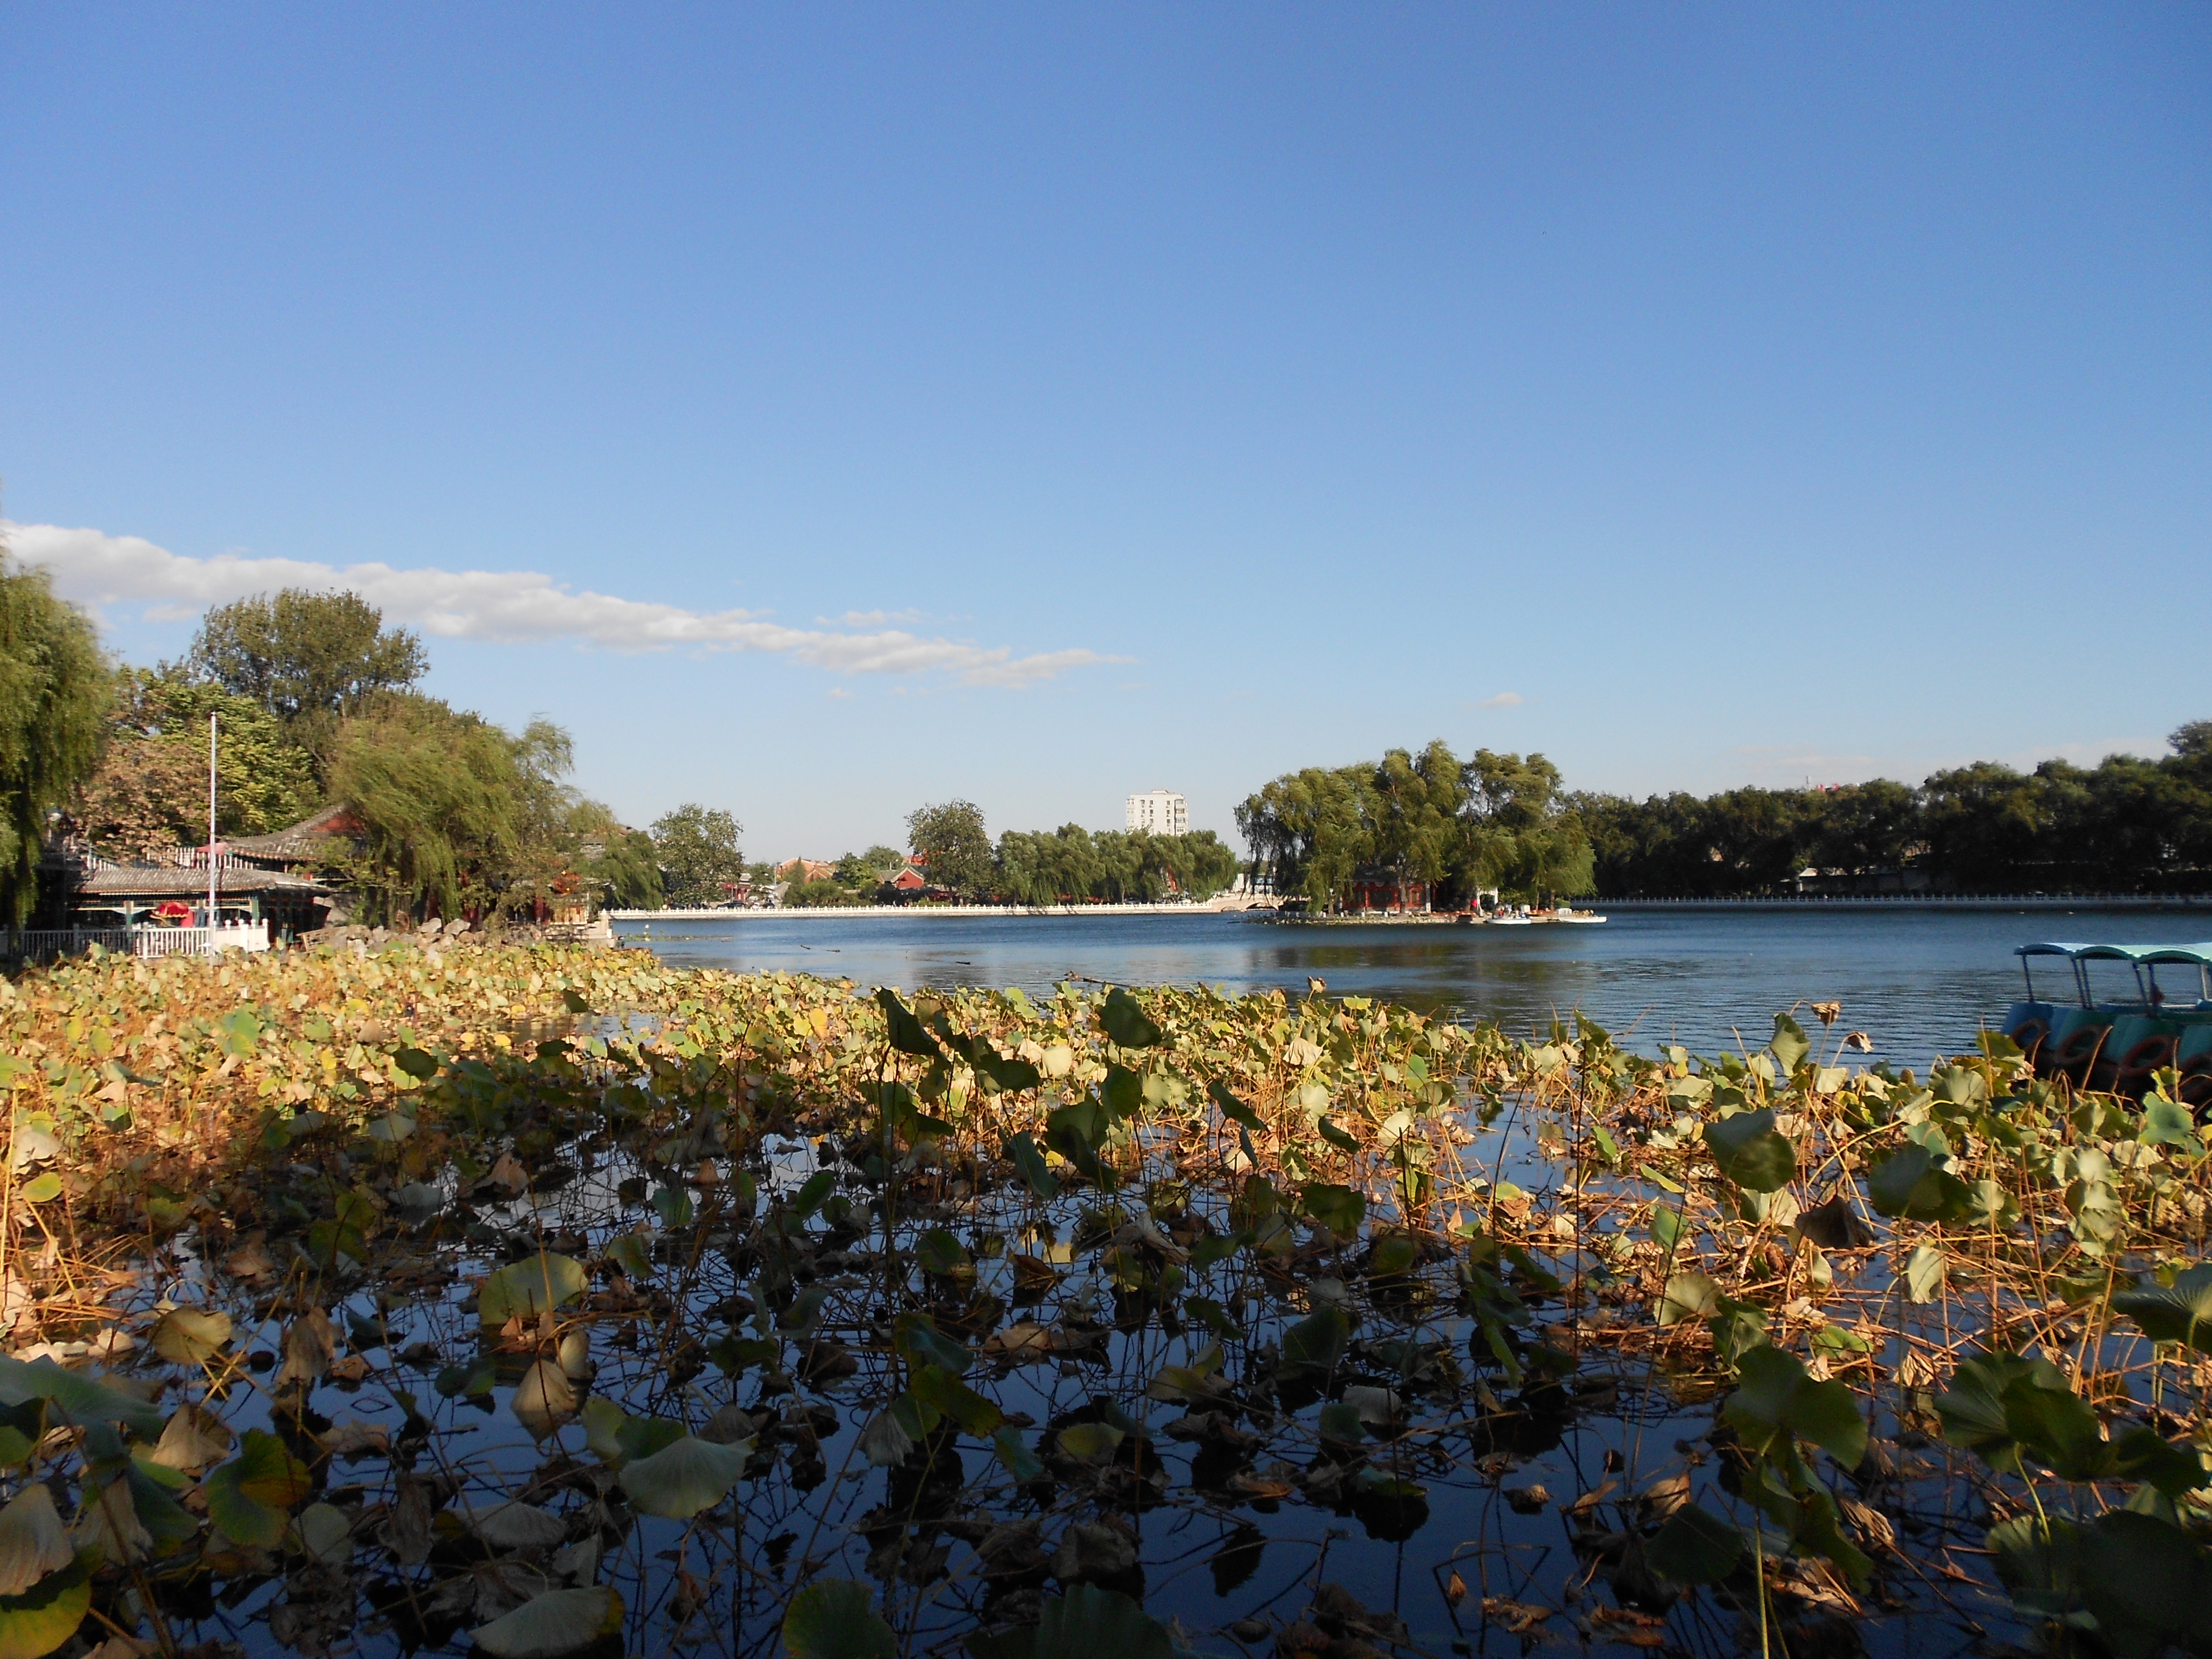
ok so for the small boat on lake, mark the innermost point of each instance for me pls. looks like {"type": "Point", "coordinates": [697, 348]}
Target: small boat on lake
{"type": "Point", "coordinates": [2125, 1027]}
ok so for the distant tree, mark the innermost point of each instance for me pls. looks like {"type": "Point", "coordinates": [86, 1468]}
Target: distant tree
{"type": "Point", "coordinates": [623, 861]}
{"type": "Point", "coordinates": [2193, 739]}
{"type": "Point", "coordinates": [55, 691]}
{"type": "Point", "coordinates": [1520, 833]}
{"type": "Point", "coordinates": [863, 872]}
{"type": "Point", "coordinates": [827, 894]}
{"type": "Point", "coordinates": [954, 848]}
{"type": "Point", "coordinates": [308, 658]}
{"type": "Point", "coordinates": [1201, 864]}
{"type": "Point", "coordinates": [699, 855]}
{"type": "Point", "coordinates": [1311, 830]}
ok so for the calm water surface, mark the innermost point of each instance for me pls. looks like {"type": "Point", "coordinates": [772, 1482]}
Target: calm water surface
{"type": "Point", "coordinates": [1920, 982]}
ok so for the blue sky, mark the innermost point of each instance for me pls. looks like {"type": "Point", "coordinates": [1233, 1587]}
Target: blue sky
{"type": "Point", "coordinates": [845, 408]}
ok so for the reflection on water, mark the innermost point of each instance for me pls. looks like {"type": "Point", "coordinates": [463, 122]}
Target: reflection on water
{"type": "Point", "coordinates": [1920, 982]}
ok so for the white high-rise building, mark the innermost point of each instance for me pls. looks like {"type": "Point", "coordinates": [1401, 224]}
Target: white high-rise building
{"type": "Point", "coordinates": [1162, 811]}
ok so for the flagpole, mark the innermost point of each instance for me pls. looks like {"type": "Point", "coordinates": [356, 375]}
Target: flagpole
{"type": "Point", "coordinates": [210, 856]}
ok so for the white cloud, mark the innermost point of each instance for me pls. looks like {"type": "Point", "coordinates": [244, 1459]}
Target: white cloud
{"type": "Point", "coordinates": [511, 606]}
{"type": "Point", "coordinates": [1502, 700]}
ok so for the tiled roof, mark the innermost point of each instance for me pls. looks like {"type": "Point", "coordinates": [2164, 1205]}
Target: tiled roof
{"type": "Point", "coordinates": [323, 836]}
{"type": "Point", "coordinates": [152, 880]}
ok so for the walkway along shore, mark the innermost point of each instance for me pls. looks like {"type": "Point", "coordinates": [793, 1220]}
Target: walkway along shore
{"type": "Point", "coordinates": [1211, 907]}
{"type": "Point", "coordinates": [1262, 909]}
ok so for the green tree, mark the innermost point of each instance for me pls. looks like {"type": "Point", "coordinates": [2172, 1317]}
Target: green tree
{"type": "Point", "coordinates": [1311, 830]}
{"type": "Point", "coordinates": [448, 806]}
{"type": "Point", "coordinates": [954, 848]}
{"type": "Point", "coordinates": [823, 895]}
{"type": "Point", "coordinates": [1201, 864]}
{"type": "Point", "coordinates": [55, 691]}
{"type": "Point", "coordinates": [1520, 834]}
{"type": "Point", "coordinates": [623, 862]}
{"type": "Point", "coordinates": [1417, 832]}
{"type": "Point", "coordinates": [150, 791]}
{"type": "Point", "coordinates": [309, 659]}
{"type": "Point", "coordinates": [863, 872]}
{"type": "Point", "coordinates": [699, 855]}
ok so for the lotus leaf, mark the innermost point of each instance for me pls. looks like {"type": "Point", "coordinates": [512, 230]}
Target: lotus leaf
{"type": "Point", "coordinates": [836, 1618]}
{"type": "Point", "coordinates": [1090, 1441]}
{"type": "Point", "coordinates": [1750, 1154]}
{"type": "Point", "coordinates": [2181, 1312]}
{"type": "Point", "coordinates": [47, 1614]}
{"type": "Point", "coordinates": [1694, 1547]}
{"type": "Point", "coordinates": [526, 1289]}
{"type": "Point", "coordinates": [33, 1540]}
{"type": "Point", "coordinates": [1125, 1023]}
{"type": "Point", "coordinates": [557, 1622]}
{"type": "Point", "coordinates": [1778, 1398]}
{"type": "Point", "coordinates": [191, 1336]}
{"type": "Point", "coordinates": [251, 1497]}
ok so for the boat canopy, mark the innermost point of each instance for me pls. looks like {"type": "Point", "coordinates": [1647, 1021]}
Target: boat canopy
{"type": "Point", "coordinates": [2199, 956]}
{"type": "Point", "coordinates": [2138, 956]}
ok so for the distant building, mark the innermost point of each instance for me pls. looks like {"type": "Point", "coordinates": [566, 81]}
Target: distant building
{"type": "Point", "coordinates": [1374, 888]}
{"type": "Point", "coordinates": [806, 870]}
{"type": "Point", "coordinates": [1162, 811]}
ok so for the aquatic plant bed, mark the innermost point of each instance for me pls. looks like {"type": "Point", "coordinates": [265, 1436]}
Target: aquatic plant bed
{"type": "Point", "coordinates": [549, 1302]}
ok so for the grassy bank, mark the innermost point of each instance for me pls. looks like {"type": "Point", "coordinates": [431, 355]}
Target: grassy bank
{"type": "Point", "coordinates": [557, 1301]}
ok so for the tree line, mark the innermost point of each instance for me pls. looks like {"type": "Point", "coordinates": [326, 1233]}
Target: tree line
{"type": "Point", "coordinates": [1067, 865]}
{"type": "Point", "coordinates": [316, 703]}
{"type": "Point", "coordinates": [2126, 825]}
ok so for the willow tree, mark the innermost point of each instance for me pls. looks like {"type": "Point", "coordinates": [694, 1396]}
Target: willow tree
{"type": "Point", "coordinates": [1312, 829]}
{"type": "Point", "coordinates": [1520, 833]}
{"type": "Point", "coordinates": [54, 694]}
{"type": "Point", "coordinates": [456, 814]}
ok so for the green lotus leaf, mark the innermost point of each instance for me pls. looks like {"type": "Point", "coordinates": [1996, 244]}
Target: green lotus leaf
{"type": "Point", "coordinates": [1317, 1341]}
{"type": "Point", "coordinates": [1687, 1296]}
{"type": "Point", "coordinates": [250, 1496]}
{"type": "Point", "coordinates": [1778, 1397]}
{"type": "Point", "coordinates": [2181, 1312]}
{"type": "Point", "coordinates": [534, 1285]}
{"type": "Point", "coordinates": [1750, 1154]}
{"type": "Point", "coordinates": [685, 1477]}
{"type": "Point", "coordinates": [1090, 1441]}
{"type": "Point", "coordinates": [35, 1623]}
{"type": "Point", "coordinates": [558, 1622]}
{"type": "Point", "coordinates": [836, 1618]}
{"type": "Point", "coordinates": [1125, 1023]}
{"type": "Point", "coordinates": [1339, 1209]}
{"type": "Point", "coordinates": [1694, 1547]}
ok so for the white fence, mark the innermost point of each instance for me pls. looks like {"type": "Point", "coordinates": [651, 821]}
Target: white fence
{"type": "Point", "coordinates": [45, 944]}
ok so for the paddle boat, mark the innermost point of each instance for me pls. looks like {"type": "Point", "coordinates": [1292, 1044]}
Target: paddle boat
{"type": "Point", "coordinates": [2123, 1029]}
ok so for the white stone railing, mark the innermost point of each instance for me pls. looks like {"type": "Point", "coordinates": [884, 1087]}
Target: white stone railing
{"type": "Point", "coordinates": [45, 944]}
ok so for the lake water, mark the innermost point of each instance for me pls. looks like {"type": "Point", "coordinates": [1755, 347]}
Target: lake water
{"type": "Point", "coordinates": [1919, 982]}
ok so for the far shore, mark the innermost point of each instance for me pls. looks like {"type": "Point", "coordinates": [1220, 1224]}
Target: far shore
{"type": "Point", "coordinates": [1210, 907]}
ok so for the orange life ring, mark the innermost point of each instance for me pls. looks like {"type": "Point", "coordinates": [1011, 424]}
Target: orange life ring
{"type": "Point", "coordinates": [2076, 1049]}
{"type": "Point", "coordinates": [2133, 1074]}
